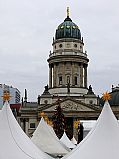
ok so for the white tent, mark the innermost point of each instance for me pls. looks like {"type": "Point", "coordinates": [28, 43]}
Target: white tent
{"type": "Point", "coordinates": [51, 129]}
{"type": "Point", "coordinates": [88, 125]}
{"type": "Point", "coordinates": [14, 144]}
{"type": "Point", "coordinates": [73, 140]}
{"type": "Point", "coordinates": [44, 137]}
{"type": "Point", "coordinates": [102, 142]}
{"type": "Point", "coordinates": [66, 141]}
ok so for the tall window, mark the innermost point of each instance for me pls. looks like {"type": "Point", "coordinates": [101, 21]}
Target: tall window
{"type": "Point", "coordinates": [60, 80]}
{"type": "Point", "coordinates": [75, 80]}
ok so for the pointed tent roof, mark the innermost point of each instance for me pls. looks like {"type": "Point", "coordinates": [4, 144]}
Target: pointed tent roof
{"type": "Point", "coordinates": [44, 137]}
{"type": "Point", "coordinates": [66, 141]}
{"type": "Point", "coordinates": [14, 143]}
{"type": "Point", "coordinates": [52, 130]}
{"type": "Point", "coordinates": [73, 140]}
{"type": "Point", "coordinates": [102, 141]}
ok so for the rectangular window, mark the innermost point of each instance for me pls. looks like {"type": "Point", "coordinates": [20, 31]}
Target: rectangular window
{"type": "Point", "coordinates": [60, 80]}
{"type": "Point", "coordinates": [32, 125]}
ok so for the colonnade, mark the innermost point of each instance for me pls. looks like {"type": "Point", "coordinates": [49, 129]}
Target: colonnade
{"type": "Point", "coordinates": [53, 75]}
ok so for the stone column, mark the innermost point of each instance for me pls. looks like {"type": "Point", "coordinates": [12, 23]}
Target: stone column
{"type": "Point", "coordinates": [22, 123]}
{"type": "Point", "coordinates": [63, 74]}
{"type": "Point", "coordinates": [81, 75]}
{"type": "Point", "coordinates": [85, 76]}
{"type": "Point", "coordinates": [72, 74]}
{"type": "Point", "coordinates": [26, 126]}
{"type": "Point", "coordinates": [54, 75]}
{"type": "Point", "coordinates": [50, 76]}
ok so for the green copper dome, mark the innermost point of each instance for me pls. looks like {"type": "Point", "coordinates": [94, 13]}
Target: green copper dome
{"type": "Point", "coordinates": [68, 29]}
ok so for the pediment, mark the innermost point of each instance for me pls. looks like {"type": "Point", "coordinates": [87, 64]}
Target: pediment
{"type": "Point", "coordinates": [69, 105]}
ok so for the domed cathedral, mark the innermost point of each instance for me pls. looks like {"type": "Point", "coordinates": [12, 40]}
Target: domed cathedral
{"type": "Point", "coordinates": [68, 62]}
{"type": "Point", "coordinates": [67, 88]}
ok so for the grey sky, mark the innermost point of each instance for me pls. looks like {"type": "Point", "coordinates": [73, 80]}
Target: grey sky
{"type": "Point", "coordinates": [26, 31]}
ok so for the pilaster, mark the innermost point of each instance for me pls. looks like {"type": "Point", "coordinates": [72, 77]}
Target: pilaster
{"type": "Point", "coordinates": [63, 73]}
{"type": "Point", "coordinates": [26, 126]}
{"type": "Point", "coordinates": [54, 75]}
{"type": "Point", "coordinates": [81, 75]}
{"type": "Point", "coordinates": [85, 76]}
{"type": "Point", "coordinates": [72, 74]}
{"type": "Point", "coordinates": [22, 123]}
{"type": "Point", "coordinates": [50, 76]}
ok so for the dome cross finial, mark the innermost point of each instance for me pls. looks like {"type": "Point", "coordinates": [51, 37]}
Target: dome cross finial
{"type": "Point", "coordinates": [67, 11]}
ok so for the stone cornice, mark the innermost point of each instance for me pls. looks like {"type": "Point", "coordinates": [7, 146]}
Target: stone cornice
{"type": "Point", "coordinates": [68, 58]}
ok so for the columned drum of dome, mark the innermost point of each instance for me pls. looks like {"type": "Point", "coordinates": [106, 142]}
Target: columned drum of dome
{"type": "Point", "coordinates": [68, 62]}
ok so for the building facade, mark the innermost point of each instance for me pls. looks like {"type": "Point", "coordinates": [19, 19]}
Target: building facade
{"type": "Point", "coordinates": [68, 66]}
{"type": "Point", "coordinates": [14, 92]}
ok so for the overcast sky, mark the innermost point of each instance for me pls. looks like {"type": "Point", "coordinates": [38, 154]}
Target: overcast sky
{"type": "Point", "coordinates": [26, 31]}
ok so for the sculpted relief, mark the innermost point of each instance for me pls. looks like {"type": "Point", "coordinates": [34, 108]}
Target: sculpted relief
{"type": "Point", "coordinates": [71, 106]}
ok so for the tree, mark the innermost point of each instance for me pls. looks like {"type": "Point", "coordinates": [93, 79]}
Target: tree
{"type": "Point", "coordinates": [58, 121]}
